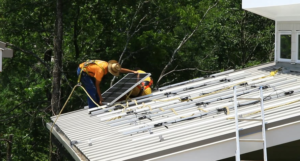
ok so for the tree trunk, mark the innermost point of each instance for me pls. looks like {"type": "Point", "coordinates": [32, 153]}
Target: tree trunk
{"type": "Point", "coordinates": [56, 88]}
{"type": "Point", "coordinates": [9, 148]}
{"type": "Point", "coordinates": [76, 32]}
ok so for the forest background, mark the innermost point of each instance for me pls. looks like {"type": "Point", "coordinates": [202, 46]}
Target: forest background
{"type": "Point", "coordinates": [174, 40]}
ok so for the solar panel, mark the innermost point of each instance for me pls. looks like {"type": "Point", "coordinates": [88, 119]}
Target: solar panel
{"type": "Point", "coordinates": [122, 87]}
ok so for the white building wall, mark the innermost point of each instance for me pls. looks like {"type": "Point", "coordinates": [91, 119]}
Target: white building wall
{"type": "Point", "coordinates": [292, 27]}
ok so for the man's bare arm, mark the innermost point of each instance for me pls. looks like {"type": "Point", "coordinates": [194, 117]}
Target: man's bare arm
{"type": "Point", "coordinates": [99, 92]}
{"type": "Point", "coordinates": [124, 70]}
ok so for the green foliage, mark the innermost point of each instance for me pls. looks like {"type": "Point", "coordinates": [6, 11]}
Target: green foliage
{"type": "Point", "coordinates": [147, 32]}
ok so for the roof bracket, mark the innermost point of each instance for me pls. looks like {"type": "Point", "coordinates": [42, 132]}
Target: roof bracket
{"type": "Point", "coordinates": [161, 138]}
{"type": "Point", "coordinates": [90, 142]}
{"type": "Point", "coordinates": [150, 132]}
{"type": "Point", "coordinates": [133, 122]}
{"type": "Point", "coordinates": [289, 93]}
{"type": "Point", "coordinates": [185, 98]}
{"type": "Point", "coordinates": [73, 143]}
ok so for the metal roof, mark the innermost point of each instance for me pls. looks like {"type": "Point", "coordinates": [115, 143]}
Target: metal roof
{"type": "Point", "coordinates": [98, 140]}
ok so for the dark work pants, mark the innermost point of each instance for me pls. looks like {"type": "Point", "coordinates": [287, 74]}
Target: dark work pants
{"type": "Point", "coordinates": [89, 85]}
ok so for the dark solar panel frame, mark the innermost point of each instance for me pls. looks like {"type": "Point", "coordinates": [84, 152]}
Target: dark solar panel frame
{"type": "Point", "coordinates": [122, 87]}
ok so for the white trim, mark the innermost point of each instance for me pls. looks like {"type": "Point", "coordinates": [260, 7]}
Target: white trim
{"type": "Point", "coordinates": [298, 47]}
{"type": "Point", "coordinates": [267, 3]}
{"type": "Point", "coordinates": [65, 143]}
{"type": "Point", "coordinates": [279, 46]}
{"type": "Point", "coordinates": [275, 47]}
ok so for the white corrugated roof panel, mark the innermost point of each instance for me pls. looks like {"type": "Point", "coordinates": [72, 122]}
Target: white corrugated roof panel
{"type": "Point", "coordinates": [107, 143]}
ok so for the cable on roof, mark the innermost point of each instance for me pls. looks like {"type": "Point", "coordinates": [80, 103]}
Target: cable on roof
{"type": "Point", "coordinates": [78, 85]}
{"type": "Point", "coordinates": [225, 110]}
{"type": "Point", "coordinates": [161, 109]}
{"type": "Point", "coordinates": [272, 73]}
{"type": "Point", "coordinates": [201, 109]}
{"type": "Point", "coordinates": [172, 109]}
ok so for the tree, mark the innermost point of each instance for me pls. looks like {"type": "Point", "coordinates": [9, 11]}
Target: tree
{"type": "Point", "coordinates": [58, 52]}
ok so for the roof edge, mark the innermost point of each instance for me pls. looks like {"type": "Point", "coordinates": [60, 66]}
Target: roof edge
{"type": "Point", "coordinates": [225, 137]}
{"type": "Point", "coordinates": [269, 3]}
{"type": "Point", "coordinates": [75, 153]}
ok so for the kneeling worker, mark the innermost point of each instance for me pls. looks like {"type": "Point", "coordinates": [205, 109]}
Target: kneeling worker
{"type": "Point", "coordinates": [142, 89]}
{"type": "Point", "coordinates": [90, 73]}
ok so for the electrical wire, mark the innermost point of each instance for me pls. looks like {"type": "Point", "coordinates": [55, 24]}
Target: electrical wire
{"type": "Point", "coordinates": [78, 85]}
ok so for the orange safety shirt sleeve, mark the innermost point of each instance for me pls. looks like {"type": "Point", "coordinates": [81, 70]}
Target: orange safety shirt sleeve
{"type": "Point", "coordinates": [95, 70]}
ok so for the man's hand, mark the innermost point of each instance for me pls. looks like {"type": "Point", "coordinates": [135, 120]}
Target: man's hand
{"type": "Point", "coordinates": [138, 75]}
{"type": "Point", "coordinates": [100, 102]}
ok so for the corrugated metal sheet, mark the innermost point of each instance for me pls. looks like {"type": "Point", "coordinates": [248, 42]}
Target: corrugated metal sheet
{"type": "Point", "coordinates": [109, 144]}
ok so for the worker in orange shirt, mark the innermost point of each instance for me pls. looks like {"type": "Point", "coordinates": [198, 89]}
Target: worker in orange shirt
{"type": "Point", "coordinates": [143, 88]}
{"type": "Point", "coordinates": [90, 74]}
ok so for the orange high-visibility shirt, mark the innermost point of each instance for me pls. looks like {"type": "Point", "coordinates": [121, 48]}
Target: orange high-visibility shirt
{"type": "Point", "coordinates": [95, 70]}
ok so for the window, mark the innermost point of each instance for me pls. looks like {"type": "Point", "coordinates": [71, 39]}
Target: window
{"type": "Point", "coordinates": [285, 46]}
{"type": "Point", "coordinates": [298, 46]}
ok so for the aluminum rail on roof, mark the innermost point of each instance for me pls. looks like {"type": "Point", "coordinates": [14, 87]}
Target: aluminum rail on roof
{"type": "Point", "coordinates": [196, 79]}
{"type": "Point", "coordinates": [185, 94]}
{"type": "Point", "coordinates": [140, 110]}
{"type": "Point", "coordinates": [182, 105]}
{"type": "Point", "coordinates": [179, 108]}
{"type": "Point", "coordinates": [186, 105]}
{"type": "Point", "coordinates": [277, 94]}
{"type": "Point", "coordinates": [157, 95]}
{"type": "Point", "coordinates": [221, 73]}
{"type": "Point", "coordinates": [216, 119]}
{"type": "Point", "coordinates": [177, 92]}
{"type": "Point", "coordinates": [208, 99]}
{"type": "Point", "coordinates": [203, 90]}
{"type": "Point", "coordinates": [181, 88]}
{"type": "Point", "coordinates": [152, 123]}
{"type": "Point", "coordinates": [180, 83]}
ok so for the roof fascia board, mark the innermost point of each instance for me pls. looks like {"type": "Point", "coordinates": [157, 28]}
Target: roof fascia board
{"type": "Point", "coordinates": [288, 127]}
{"type": "Point", "coordinates": [265, 14]}
{"type": "Point", "coordinates": [267, 3]}
{"type": "Point", "coordinates": [64, 143]}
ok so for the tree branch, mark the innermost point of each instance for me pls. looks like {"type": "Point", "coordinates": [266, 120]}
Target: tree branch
{"type": "Point", "coordinates": [31, 53]}
{"type": "Point", "coordinates": [43, 62]}
{"type": "Point", "coordinates": [184, 40]}
{"type": "Point", "coordinates": [5, 140]}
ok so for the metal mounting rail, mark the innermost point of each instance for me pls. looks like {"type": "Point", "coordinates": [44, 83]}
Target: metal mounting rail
{"type": "Point", "coordinates": [217, 87]}
{"type": "Point", "coordinates": [211, 108]}
{"type": "Point", "coordinates": [232, 76]}
{"type": "Point", "coordinates": [238, 140]}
